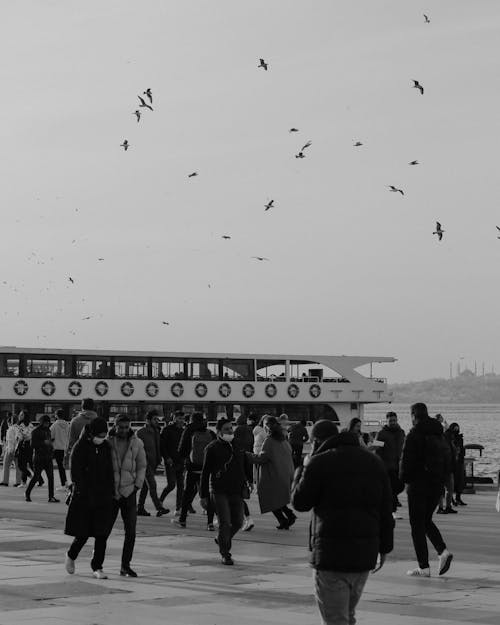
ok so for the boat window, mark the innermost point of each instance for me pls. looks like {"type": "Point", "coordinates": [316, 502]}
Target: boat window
{"type": "Point", "coordinates": [10, 366]}
{"type": "Point", "coordinates": [202, 369]}
{"type": "Point", "coordinates": [237, 369]}
{"type": "Point", "coordinates": [168, 368]}
{"type": "Point", "coordinates": [271, 370]}
{"type": "Point", "coordinates": [131, 368]}
{"type": "Point", "coordinates": [92, 368]}
{"type": "Point", "coordinates": [47, 367]}
{"type": "Point", "coordinates": [309, 371]}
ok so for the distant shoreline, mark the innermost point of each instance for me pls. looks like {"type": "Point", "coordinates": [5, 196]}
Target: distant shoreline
{"type": "Point", "coordinates": [467, 388]}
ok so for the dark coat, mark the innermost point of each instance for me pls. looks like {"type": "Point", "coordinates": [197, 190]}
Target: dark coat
{"type": "Point", "coordinates": [170, 438]}
{"type": "Point", "coordinates": [413, 460]}
{"type": "Point", "coordinates": [150, 436]}
{"type": "Point", "coordinates": [275, 474]}
{"type": "Point", "coordinates": [226, 469]}
{"type": "Point", "coordinates": [185, 444]}
{"type": "Point", "coordinates": [390, 453]}
{"type": "Point", "coordinates": [90, 511]}
{"type": "Point", "coordinates": [352, 514]}
{"type": "Point", "coordinates": [41, 442]}
{"type": "Point", "coordinates": [243, 434]}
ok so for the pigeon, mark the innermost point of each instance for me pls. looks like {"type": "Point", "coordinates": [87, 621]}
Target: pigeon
{"type": "Point", "coordinates": [71, 280]}
{"type": "Point", "coordinates": [260, 257]}
{"type": "Point", "coordinates": [301, 151]}
{"type": "Point", "coordinates": [269, 205]}
{"type": "Point", "coordinates": [149, 94]}
{"type": "Point", "coordinates": [358, 144]}
{"type": "Point", "coordinates": [498, 228]}
{"type": "Point", "coordinates": [439, 231]}
{"type": "Point", "coordinates": [418, 86]}
{"type": "Point", "coordinates": [195, 173]}
{"type": "Point", "coordinates": [263, 64]}
{"type": "Point", "coordinates": [125, 145]}
{"type": "Point", "coordinates": [293, 130]}
{"type": "Point", "coordinates": [137, 114]}
{"type": "Point", "coordinates": [395, 189]}
{"type": "Point", "coordinates": [144, 104]}
{"type": "Point", "coordinates": [413, 163]}
{"type": "Point", "coordinates": [426, 18]}
{"type": "Point", "coordinates": [225, 236]}
{"type": "Point", "coordinates": [166, 323]}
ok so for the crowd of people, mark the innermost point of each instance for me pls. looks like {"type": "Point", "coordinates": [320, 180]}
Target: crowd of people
{"type": "Point", "coordinates": [114, 470]}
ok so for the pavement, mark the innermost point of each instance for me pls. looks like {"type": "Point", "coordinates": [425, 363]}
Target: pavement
{"type": "Point", "coordinates": [183, 583]}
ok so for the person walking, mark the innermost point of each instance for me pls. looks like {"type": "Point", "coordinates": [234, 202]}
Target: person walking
{"type": "Point", "coordinates": [129, 466]}
{"type": "Point", "coordinates": [11, 441]}
{"type": "Point", "coordinates": [424, 465]}
{"type": "Point", "coordinates": [275, 474]}
{"type": "Point", "coordinates": [226, 473]}
{"type": "Point", "coordinates": [170, 438]}
{"type": "Point", "coordinates": [351, 527]}
{"type": "Point", "coordinates": [243, 437]}
{"type": "Point", "coordinates": [24, 451]}
{"type": "Point", "coordinates": [90, 510]}
{"type": "Point", "coordinates": [393, 437]}
{"type": "Point", "coordinates": [297, 436]}
{"type": "Point", "coordinates": [83, 418]}
{"type": "Point", "coordinates": [60, 437]}
{"type": "Point", "coordinates": [43, 457]}
{"type": "Point", "coordinates": [459, 476]}
{"type": "Point", "coordinates": [195, 438]}
{"type": "Point", "coordinates": [150, 436]}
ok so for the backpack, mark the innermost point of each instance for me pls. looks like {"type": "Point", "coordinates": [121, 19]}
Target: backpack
{"type": "Point", "coordinates": [199, 440]}
{"type": "Point", "coordinates": [437, 457]}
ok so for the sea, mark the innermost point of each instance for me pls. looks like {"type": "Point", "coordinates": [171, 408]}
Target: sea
{"type": "Point", "coordinates": [479, 423]}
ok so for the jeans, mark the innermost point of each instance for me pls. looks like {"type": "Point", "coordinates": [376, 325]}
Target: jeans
{"type": "Point", "coordinates": [98, 554]}
{"type": "Point", "coordinates": [59, 456]}
{"type": "Point", "coordinates": [447, 497]}
{"type": "Point", "coordinates": [229, 510]}
{"type": "Point", "coordinates": [422, 501]}
{"type": "Point", "coordinates": [175, 479]}
{"type": "Point", "coordinates": [128, 510]}
{"type": "Point", "coordinates": [149, 485]}
{"type": "Point", "coordinates": [190, 490]}
{"type": "Point", "coordinates": [337, 595]}
{"type": "Point", "coordinates": [7, 462]}
{"type": "Point", "coordinates": [42, 464]}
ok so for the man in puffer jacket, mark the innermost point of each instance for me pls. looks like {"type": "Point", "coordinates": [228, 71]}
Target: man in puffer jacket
{"type": "Point", "coordinates": [129, 467]}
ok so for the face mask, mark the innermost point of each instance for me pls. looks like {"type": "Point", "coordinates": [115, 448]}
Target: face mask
{"type": "Point", "coordinates": [227, 437]}
{"type": "Point", "coordinates": [97, 440]}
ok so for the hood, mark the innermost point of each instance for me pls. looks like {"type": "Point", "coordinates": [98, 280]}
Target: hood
{"type": "Point", "coordinates": [428, 426]}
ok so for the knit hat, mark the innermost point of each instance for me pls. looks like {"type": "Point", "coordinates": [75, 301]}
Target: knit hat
{"type": "Point", "coordinates": [98, 426]}
{"type": "Point", "coordinates": [323, 429]}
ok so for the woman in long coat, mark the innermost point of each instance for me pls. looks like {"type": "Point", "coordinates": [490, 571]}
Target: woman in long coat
{"type": "Point", "coordinates": [90, 512]}
{"type": "Point", "coordinates": [275, 474]}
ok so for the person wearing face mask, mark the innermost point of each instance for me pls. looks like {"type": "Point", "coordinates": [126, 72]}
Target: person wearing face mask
{"type": "Point", "coordinates": [90, 511]}
{"type": "Point", "coordinates": [226, 473]}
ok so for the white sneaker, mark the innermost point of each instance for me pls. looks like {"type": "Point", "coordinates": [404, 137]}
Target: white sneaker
{"type": "Point", "coordinates": [99, 574]}
{"type": "Point", "coordinates": [69, 565]}
{"type": "Point", "coordinates": [177, 513]}
{"type": "Point", "coordinates": [418, 572]}
{"type": "Point", "coordinates": [444, 561]}
{"type": "Point", "coordinates": [248, 525]}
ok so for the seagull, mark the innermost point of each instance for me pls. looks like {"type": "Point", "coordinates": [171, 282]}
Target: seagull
{"type": "Point", "coordinates": [263, 64]}
{"type": "Point", "coordinates": [427, 20]}
{"type": "Point", "coordinates": [395, 189]}
{"type": "Point", "coordinates": [71, 280]}
{"type": "Point", "coordinates": [149, 94]}
{"type": "Point", "coordinates": [143, 103]}
{"type": "Point", "coordinates": [293, 130]}
{"type": "Point", "coordinates": [300, 155]}
{"type": "Point", "coordinates": [137, 114]}
{"type": "Point", "coordinates": [413, 163]}
{"type": "Point", "coordinates": [418, 86]}
{"type": "Point", "coordinates": [86, 318]}
{"type": "Point", "coordinates": [225, 236]}
{"type": "Point", "coordinates": [260, 258]}
{"type": "Point", "coordinates": [498, 228]}
{"type": "Point", "coordinates": [125, 145]}
{"type": "Point", "coordinates": [269, 205]}
{"type": "Point", "coordinates": [195, 173]}
{"type": "Point", "coordinates": [166, 323]}
{"type": "Point", "coordinates": [358, 144]}
{"type": "Point", "coordinates": [439, 231]}
{"type": "Point", "coordinates": [100, 259]}
{"type": "Point", "coordinates": [301, 151]}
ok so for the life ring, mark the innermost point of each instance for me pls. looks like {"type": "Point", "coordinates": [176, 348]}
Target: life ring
{"type": "Point", "coordinates": [21, 387]}
{"type": "Point", "coordinates": [201, 389]}
{"type": "Point", "coordinates": [224, 390]}
{"type": "Point", "coordinates": [48, 388]}
{"type": "Point", "coordinates": [293, 391]}
{"type": "Point", "coordinates": [101, 388]}
{"type": "Point", "coordinates": [315, 390]}
{"type": "Point", "coordinates": [177, 389]}
{"type": "Point", "coordinates": [271, 390]}
{"type": "Point", "coordinates": [152, 389]}
{"type": "Point", "coordinates": [127, 389]}
{"type": "Point", "coordinates": [248, 390]}
{"type": "Point", "coordinates": [75, 388]}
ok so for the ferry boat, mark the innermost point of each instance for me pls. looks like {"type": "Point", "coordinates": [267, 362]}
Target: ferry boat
{"type": "Point", "coordinates": [308, 387]}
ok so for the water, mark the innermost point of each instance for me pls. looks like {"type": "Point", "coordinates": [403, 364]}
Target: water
{"type": "Point", "coordinates": [479, 423]}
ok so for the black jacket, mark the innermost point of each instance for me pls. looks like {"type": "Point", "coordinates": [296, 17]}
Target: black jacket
{"type": "Point", "coordinates": [352, 514]}
{"type": "Point", "coordinates": [413, 461]}
{"type": "Point", "coordinates": [41, 443]}
{"type": "Point", "coordinates": [185, 443]}
{"type": "Point", "coordinates": [390, 453]}
{"type": "Point", "coordinates": [170, 438]}
{"type": "Point", "coordinates": [226, 469]}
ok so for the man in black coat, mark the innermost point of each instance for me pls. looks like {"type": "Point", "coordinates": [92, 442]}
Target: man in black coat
{"type": "Point", "coordinates": [352, 525]}
{"type": "Point", "coordinates": [393, 437]}
{"type": "Point", "coordinates": [424, 465]}
{"type": "Point", "coordinates": [170, 438]}
{"type": "Point", "coordinates": [43, 457]}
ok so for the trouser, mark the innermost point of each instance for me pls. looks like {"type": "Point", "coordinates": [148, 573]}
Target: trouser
{"type": "Point", "coordinates": [447, 496]}
{"type": "Point", "coordinates": [175, 479]}
{"type": "Point", "coordinates": [128, 510]}
{"type": "Point", "coordinates": [337, 595]}
{"type": "Point", "coordinates": [284, 515]}
{"type": "Point", "coordinates": [422, 501]}
{"type": "Point", "coordinates": [7, 462]}
{"type": "Point", "coordinates": [297, 455]}
{"type": "Point", "coordinates": [149, 485]}
{"type": "Point", "coordinates": [229, 510]}
{"type": "Point", "coordinates": [59, 456]}
{"type": "Point", "coordinates": [24, 460]}
{"type": "Point", "coordinates": [395, 484]}
{"type": "Point", "coordinates": [246, 510]}
{"type": "Point", "coordinates": [98, 553]}
{"type": "Point", "coordinates": [190, 489]}
{"type": "Point", "coordinates": [42, 464]}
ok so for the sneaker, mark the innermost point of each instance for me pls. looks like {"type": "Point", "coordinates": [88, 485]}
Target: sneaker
{"type": "Point", "coordinates": [227, 560]}
{"type": "Point", "coordinates": [21, 485]}
{"type": "Point", "coordinates": [291, 519]}
{"type": "Point", "coordinates": [418, 572]}
{"type": "Point", "coordinates": [210, 527]}
{"type": "Point", "coordinates": [3, 484]}
{"type": "Point", "coordinates": [450, 510]}
{"type": "Point", "coordinates": [177, 513]}
{"type": "Point", "coordinates": [397, 517]}
{"type": "Point", "coordinates": [178, 522]}
{"type": "Point", "coordinates": [54, 500]}
{"type": "Point", "coordinates": [126, 571]}
{"type": "Point", "coordinates": [143, 512]}
{"type": "Point", "coordinates": [162, 511]}
{"type": "Point", "coordinates": [461, 502]}
{"type": "Point", "coordinates": [99, 574]}
{"type": "Point", "coordinates": [27, 498]}
{"type": "Point", "coordinates": [249, 525]}
{"type": "Point", "coordinates": [17, 485]}
{"type": "Point", "coordinates": [69, 565]}
{"type": "Point", "coordinates": [444, 561]}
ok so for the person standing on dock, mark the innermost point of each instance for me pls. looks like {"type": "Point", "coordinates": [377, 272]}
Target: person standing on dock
{"type": "Point", "coordinates": [424, 465]}
{"type": "Point", "coordinates": [393, 437]}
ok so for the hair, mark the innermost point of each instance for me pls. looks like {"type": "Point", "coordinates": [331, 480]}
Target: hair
{"type": "Point", "coordinates": [391, 413]}
{"type": "Point", "coordinates": [197, 417]}
{"type": "Point", "coordinates": [283, 417]}
{"type": "Point", "coordinates": [453, 426]}
{"type": "Point", "coordinates": [122, 418]}
{"type": "Point", "coordinates": [60, 413]}
{"type": "Point", "coordinates": [88, 404]}
{"type": "Point", "coordinates": [221, 423]}
{"type": "Point", "coordinates": [24, 417]}
{"type": "Point", "coordinates": [262, 419]}
{"type": "Point", "coordinates": [13, 419]}
{"type": "Point", "coordinates": [352, 423]}
{"type": "Point", "coordinates": [44, 418]}
{"type": "Point", "coordinates": [152, 413]}
{"type": "Point", "coordinates": [419, 411]}
{"type": "Point", "coordinates": [275, 429]}
{"type": "Point", "coordinates": [253, 417]}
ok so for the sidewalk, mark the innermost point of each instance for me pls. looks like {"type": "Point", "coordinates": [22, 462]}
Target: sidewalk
{"type": "Point", "coordinates": [182, 583]}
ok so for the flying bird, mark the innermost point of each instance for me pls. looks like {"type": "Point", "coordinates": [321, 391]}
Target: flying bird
{"type": "Point", "coordinates": [293, 130]}
{"type": "Point", "coordinates": [301, 151]}
{"type": "Point", "coordinates": [413, 163]}
{"type": "Point", "coordinates": [269, 205]}
{"type": "Point", "coordinates": [260, 257]}
{"type": "Point", "coordinates": [137, 114]}
{"type": "Point", "coordinates": [358, 144]}
{"type": "Point", "coordinates": [300, 155]}
{"type": "Point", "coordinates": [195, 173]}
{"type": "Point", "coordinates": [149, 94]}
{"type": "Point", "coordinates": [166, 323]}
{"type": "Point", "coordinates": [225, 236]}
{"type": "Point", "coordinates": [263, 64]}
{"type": "Point", "coordinates": [100, 259]}
{"type": "Point", "coordinates": [439, 231]}
{"type": "Point", "coordinates": [395, 189]}
{"type": "Point", "coordinates": [71, 280]}
{"type": "Point", "coordinates": [86, 318]}
{"type": "Point", "coordinates": [144, 104]}
{"type": "Point", "coordinates": [426, 18]}
{"type": "Point", "coordinates": [418, 86]}
{"type": "Point", "coordinates": [125, 145]}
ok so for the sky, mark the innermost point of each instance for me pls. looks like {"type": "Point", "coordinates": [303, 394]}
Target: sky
{"type": "Point", "coordinates": [353, 268]}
